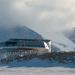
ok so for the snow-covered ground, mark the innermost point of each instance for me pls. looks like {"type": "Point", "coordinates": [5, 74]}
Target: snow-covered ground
{"type": "Point", "coordinates": [37, 71]}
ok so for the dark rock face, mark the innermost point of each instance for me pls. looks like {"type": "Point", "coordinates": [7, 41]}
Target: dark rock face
{"type": "Point", "coordinates": [18, 32]}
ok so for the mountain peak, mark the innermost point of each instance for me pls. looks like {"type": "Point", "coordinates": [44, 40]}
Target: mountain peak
{"type": "Point", "coordinates": [18, 32]}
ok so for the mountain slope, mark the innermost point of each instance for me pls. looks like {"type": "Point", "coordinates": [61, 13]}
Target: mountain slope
{"type": "Point", "coordinates": [18, 32]}
{"type": "Point", "coordinates": [70, 34]}
{"type": "Point", "coordinates": [62, 42]}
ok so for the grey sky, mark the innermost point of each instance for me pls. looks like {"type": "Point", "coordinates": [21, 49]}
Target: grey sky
{"type": "Point", "coordinates": [43, 16]}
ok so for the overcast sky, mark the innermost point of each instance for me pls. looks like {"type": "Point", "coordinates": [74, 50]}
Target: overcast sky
{"type": "Point", "coordinates": [43, 16]}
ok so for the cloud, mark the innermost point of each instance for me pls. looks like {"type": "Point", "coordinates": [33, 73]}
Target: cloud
{"type": "Point", "coordinates": [43, 16]}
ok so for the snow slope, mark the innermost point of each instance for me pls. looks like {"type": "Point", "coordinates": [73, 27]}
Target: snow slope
{"type": "Point", "coordinates": [70, 34]}
{"type": "Point", "coordinates": [63, 43]}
